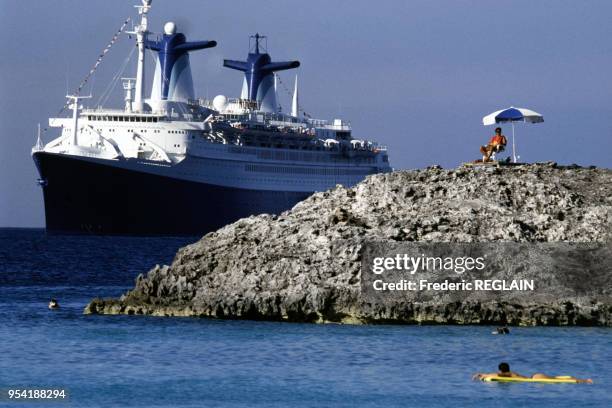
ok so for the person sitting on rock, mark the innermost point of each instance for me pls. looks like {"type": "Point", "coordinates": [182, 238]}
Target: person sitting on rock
{"type": "Point", "coordinates": [53, 304]}
{"type": "Point", "coordinates": [497, 144]}
{"type": "Point", "coordinates": [504, 371]}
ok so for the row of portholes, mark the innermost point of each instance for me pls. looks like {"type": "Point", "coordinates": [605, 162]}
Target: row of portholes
{"type": "Point", "coordinates": [145, 131]}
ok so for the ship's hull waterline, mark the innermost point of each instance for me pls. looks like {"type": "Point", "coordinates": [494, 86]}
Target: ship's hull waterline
{"type": "Point", "coordinates": [83, 196]}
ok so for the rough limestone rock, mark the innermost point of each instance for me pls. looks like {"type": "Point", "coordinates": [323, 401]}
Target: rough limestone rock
{"type": "Point", "coordinates": [304, 265]}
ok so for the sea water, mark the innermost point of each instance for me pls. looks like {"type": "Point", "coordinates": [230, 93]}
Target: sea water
{"type": "Point", "coordinates": [139, 361]}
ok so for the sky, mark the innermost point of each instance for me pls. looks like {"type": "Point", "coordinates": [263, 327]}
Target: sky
{"type": "Point", "coordinates": [416, 76]}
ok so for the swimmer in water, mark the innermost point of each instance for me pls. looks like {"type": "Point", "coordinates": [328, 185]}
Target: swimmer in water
{"type": "Point", "coordinates": [502, 330]}
{"type": "Point", "coordinates": [504, 371]}
{"type": "Point", "coordinates": [53, 304]}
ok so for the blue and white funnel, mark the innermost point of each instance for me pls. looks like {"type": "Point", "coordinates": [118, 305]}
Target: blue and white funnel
{"type": "Point", "coordinates": [172, 80]}
{"type": "Point", "coordinates": [259, 76]}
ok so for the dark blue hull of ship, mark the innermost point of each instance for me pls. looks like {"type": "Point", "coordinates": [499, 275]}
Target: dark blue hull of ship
{"type": "Point", "coordinates": [86, 197]}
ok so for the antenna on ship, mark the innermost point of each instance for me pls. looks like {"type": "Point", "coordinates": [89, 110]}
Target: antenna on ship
{"type": "Point", "coordinates": [257, 38]}
{"type": "Point", "coordinates": [141, 32]}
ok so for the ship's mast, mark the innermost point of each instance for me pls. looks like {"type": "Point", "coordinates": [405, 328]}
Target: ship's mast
{"type": "Point", "coordinates": [141, 34]}
{"type": "Point", "coordinates": [128, 86]}
{"type": "Point", "coordinates": [295, 103]}
{"type": "Point", "coordinates": [257, 37]}
{"type": "Point", "coordinates": [74, 105]}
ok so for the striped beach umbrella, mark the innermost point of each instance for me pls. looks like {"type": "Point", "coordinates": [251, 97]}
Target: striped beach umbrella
{"type": "Point", "coordinates": [512, 115]}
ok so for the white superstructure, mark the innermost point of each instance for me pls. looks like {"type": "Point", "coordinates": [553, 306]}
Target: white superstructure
{"type": "Point", "coordinates": [225, 142]}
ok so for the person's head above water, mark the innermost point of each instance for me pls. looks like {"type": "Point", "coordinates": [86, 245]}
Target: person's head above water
{"type": "Point", "coordinates": [504, 367]}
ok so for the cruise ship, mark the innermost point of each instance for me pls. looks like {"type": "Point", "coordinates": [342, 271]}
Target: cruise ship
{"type": "Point", "coordinates": [174, 164]}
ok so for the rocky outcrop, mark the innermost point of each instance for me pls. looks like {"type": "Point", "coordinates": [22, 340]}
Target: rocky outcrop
{"type": "Point", "coordinates": [305, 264]}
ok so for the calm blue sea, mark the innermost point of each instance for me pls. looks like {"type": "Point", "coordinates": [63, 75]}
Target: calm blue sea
{"type": "Point", "coordinates": [135, 361]}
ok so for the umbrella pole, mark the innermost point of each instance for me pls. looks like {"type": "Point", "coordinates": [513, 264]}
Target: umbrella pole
{"type": "Point", "coordinates": [513, 145]}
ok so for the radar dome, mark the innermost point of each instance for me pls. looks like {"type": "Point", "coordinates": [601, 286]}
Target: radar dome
{"type": "Point", "coordinates": [169, 28]}
{"type": "Point", "coordinates": [220, 103]}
